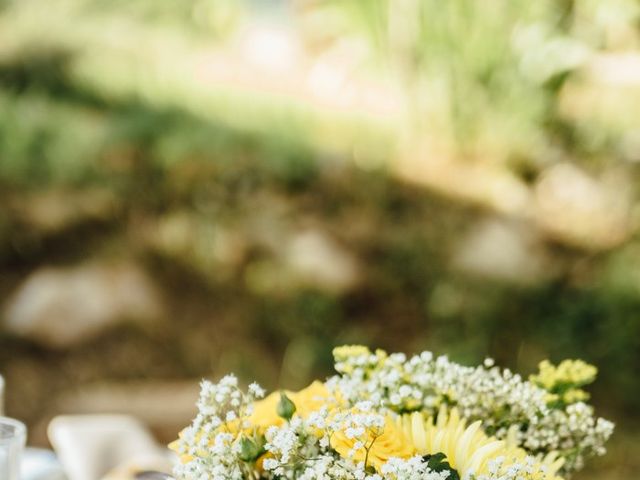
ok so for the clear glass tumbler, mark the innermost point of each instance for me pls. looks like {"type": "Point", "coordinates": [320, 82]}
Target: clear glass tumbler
{"type": "Point", "coordinates": [13, 436]}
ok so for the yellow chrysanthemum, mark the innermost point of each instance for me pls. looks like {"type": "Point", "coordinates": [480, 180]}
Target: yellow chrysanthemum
{"type": "Point", "coordinates": [572, 372]}
{"type": "Point", "coordinates": [389, 442]}
{"type": "Point", "coordinates": [467, 448]}
{"type": "Point", "coordinates": [563, 381]}
{"type": "Point", "coordinates": [347, 351]}
{"type": "Point", "coordinates": [345, 355]}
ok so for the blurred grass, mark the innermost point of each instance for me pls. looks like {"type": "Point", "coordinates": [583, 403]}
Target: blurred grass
{"type": "Point", "coordinates": [485, 79]}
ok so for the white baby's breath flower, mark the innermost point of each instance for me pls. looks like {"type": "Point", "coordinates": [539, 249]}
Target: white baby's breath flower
{"type": "Point", "coordinates": [333, 435]}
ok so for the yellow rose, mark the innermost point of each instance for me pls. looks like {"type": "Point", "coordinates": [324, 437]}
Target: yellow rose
{"type": "Point", "coordinates": [307, 401]}
{"type": "Point", "coordinates": [383, 445]}
{"type": "Point", "coordinates": [175, 446]}
{"type": "Point", "coordinates": [313, 398]}
{"type": "Point", "coordinates": [265, 412]}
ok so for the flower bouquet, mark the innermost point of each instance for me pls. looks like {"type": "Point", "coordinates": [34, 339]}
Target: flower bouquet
{"type": "Point", "coordinates": [392, 417]}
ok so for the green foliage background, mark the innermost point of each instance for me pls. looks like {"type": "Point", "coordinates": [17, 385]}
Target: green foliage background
{"type": "Point", "coordinates": [94, 105]}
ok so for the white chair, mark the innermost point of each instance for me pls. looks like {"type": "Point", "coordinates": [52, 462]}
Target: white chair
{"type": "Point", "coordinates": [107, 447]}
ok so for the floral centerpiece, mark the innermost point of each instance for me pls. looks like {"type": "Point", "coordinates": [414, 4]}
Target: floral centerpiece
{"type": "Point", "coordinates": [392, 417]}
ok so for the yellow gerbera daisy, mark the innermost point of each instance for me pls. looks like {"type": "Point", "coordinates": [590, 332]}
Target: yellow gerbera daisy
{"type": "Point", "coordinates": [376, 447]}
{"type": "Point", "coordinates": [468, 449]}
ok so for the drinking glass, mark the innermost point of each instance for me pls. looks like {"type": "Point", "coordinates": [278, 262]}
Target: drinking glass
{"type": "Point", "coordinates": [1, 396]}
{"type": "Point", "coordinates": [13, 436]}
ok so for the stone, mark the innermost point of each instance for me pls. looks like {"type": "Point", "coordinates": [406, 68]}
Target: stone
{"type": "Point", "coordinates": [582, 210]}
{"type": "Point", "coordinates": [304, 258]}
{"type": "Point", "coordinates": [503, 250]}
{"type": "Point", "coordinates": [314, 258]}
{"type": "Point", "coordinates": [62, 307]}
{"type": "Point", "coordinates": [52, 211]}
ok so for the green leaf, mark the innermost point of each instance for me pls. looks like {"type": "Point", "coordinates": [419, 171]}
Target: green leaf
{"type": "Point", "coordinates": [438, 463]}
